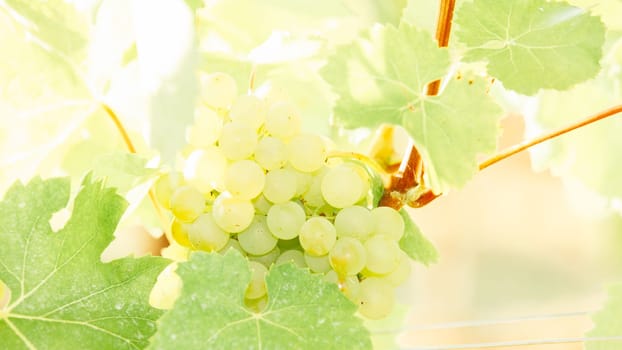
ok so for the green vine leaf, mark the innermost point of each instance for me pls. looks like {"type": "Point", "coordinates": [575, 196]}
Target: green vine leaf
{"type": "Point", "coordinates": [382, 78]}
{"type": "Point", "coordinates": [607, 322]}
{"type": "Point", "coordinates": [303, 311]}
{"type": "Point", "coordinates": [532, 44]}
{"type": "Point", "coordinates": [63, 297]}
{"type": "Point", "coordinates": [414, 243]}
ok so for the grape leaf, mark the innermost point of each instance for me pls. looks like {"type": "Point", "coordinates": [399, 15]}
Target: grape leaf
{"type": "Point", "coordinates": [532, 44]}
{"type": "Point", "coordinates": [63, 297]}
{"type": "Point", "coordinates": [607, 322]}
{"type": "Point", "coordinates": [415, 244]}
{"type": "Point", "coordinates": [303, 312]}
{"type": "Point", "coordinates": [382, 79]}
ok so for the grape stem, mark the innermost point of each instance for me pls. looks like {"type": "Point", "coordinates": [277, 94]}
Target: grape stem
{"type": "Point", "coordinates": [530, 143]}
{"type": "Point", "coordinates": [130, 147]}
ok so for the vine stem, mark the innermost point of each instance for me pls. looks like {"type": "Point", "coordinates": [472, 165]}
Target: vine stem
{"type": "Point", "coordinates": [530, 143]}
{"type": "Point", "coordinates": [132, 149]}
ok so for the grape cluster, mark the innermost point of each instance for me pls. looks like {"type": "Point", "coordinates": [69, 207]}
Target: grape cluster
{"type": "Point", "coordinates": [251, 180]}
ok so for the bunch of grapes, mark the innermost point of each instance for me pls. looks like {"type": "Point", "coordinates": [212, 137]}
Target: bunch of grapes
{"type": "Point", "coordinates": [253, 181]}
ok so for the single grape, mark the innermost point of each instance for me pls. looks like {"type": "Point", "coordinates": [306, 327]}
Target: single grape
{"type": "Point", "coordinates": [401, 273]}
{"type": "Point", "coordinates": [205, 235]}
{"type": "Point", "coordinates": [285, 220]}
{"type": "Point", "coordinates": [187, 203]}
{"type": "Point", "coordinates": [383, 254]}
{"type": "Point", "coordinates": [283, 120]}
{"type": "Point", "coordinates": [205, 169]}
{"type": "Point", "coordinates": [256, 239]}
{"type": "Point", "coordinates": [271, 153]}
{"type": "Point", "coordinates": [307, 152]}
{"type": "Point", "coordinates": [237, 141]}
{"type": "Point", "coordinates": [164, 187]}
{"type": "Point", "coordinates": [218, 90]}
{"type": "Point", "coordinates": [294, 256]}
{"type": "Point", "coordinates": [257, 286]}
{"type": "Point", "coordinates": [248, 110]}
{"type": "Point", "coordinates": [268, 258]}
{"type": "Point", "coordinates": [355, 221]}
{"type": "Point", "coordinates": [342, 186]}
{"type": "Point", "coordinates": [351, 287]}
{"type": "Point", "coordinates": [280, 185]}
{"type": "Point", "coordinates": [179, 231]}
{"type": "Point", "coordinates": [231, 213]}
{"type": "Point", "coordinates": [348, 256]}
{"type": "Point", "coordinates": [206, 128]}
{"type": "Point", "coordinates": [317, 236]}
{"type": "Point", "coordinates": [375, 298]}
{"type": "Point", "coordinates": [167, 288]}
{"type": "Point", "coordinates": [388, 221]}
{"type": "Point", "coordinates": [317, 263]}
{"type": "Point", "coordinates": [245, 179]}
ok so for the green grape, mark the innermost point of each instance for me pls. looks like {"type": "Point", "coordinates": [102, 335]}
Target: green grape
{"type": "Point", "coordinates": [383, 254]}
{"type": "Point", "coordinates": [313, 196]}
{"type": "Point", "coordinates": [342, 186]}
{"type": "Point", "coordinates": [205, 235]}
{"type": "Point", "coordinates": [294, 256]}
{"type": "Point", "coordinates": [206, 128]}
{"type": "Point", "coordinates": [401, 273]}
{"type": "Point", "coordinates": [355, 221]}
{"type": "Point", "coordinates": [317, 236]}
{"type": "Point", "coordinates": [307, 152]}
{"type": "Point", "coordinates": [257, 239]}
{"type": "Point", "coordinates": [248, 110]}
{"type": "Point", "coordinates": [231, 213]}
{"type": "Point", "coordinates": [317, 263]}
{"type": "Point", "coordinates": [388, 221]}
{"type": "Point", "coordinates": [237, 141]}
{"type": "Point", "coordinates": [271, 153]}
{"type": "Point", "coordinates": [164, 187]}
{"type": "Point", "coordinates": [348, 256]}
{"type": "Point", "coordinates": [331, 277]}
{"type": "Point", "coordinates": [375, 298]}
{"type": "Point", "coordinates": [218, 90]}
{"type": "Point", "coordinates": [187, 203]}
{"type": "Point", "coordinates": [245, 179]}
{"type": "Point", "coordinates": [285, 220]}
{"type": "Point", "coordinates": [167, 288]}
{"type": "Point", "coordinates": [232, 244]}
{"type": "Point", "coordinates": [205, 169]}
{"type": "Point", "coordinates": [257, 286]}
{"type": "Point", "coordinates": [351, 288]}
{"type": "Point", "coordinates": [280, 185]}
{"type": "Point", "coordinates": [268, 258]}
{"type": "Point", "coordinates": [179, 231]}
{"type": "Point", "coordinates": [303, 181]}
{"type": "Point", "coordinates": [262, 205]}
{"type": "Point", "coordinates": [283, 120]}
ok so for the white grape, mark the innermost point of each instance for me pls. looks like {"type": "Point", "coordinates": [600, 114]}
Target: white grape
{"type": "Point", "coordinates": [350, 287]}
{"type": "Point", "coordinates": [348, 256]}
{"type": "Point", "coordinates": [280, 185]}
{"type": "Point", "coordinates": [205, 234]}
{"type": "Point", "coordinates": [257, 286]}
{"type": "Point", "coordinates": [164, 187]}
{"type": "Point", "coordinates": [283, 120]}
{"type": "Point", "coordinates": [256, 239]}
{"type": "Point", "coordinates": [293, 256]}
{"type": "Point", "coordinates": [187, 203]}
{"type": "Point", "coordinates": [167, 288]}
{"type": "Point", "coordinates": [375, 298]}
{"type": "Point", "coordinates": [313, 196]}
{"type": "Point", "coordinates": [245, 179]}
{"type": "Point", "coordinates": [179, 231]}
{"type": "Point", "coordinates": [388, 222]}
{"type": "Point", "coordinates": [285, 220]}
{"type": "Point", "coordinates": [307, 152]}
{"type": "Point", "coordinates": [218, 90]}
{"type": "Point", "coordinates": [401, 273]}
{"type": "Point", "coordinates": [231, 213]}
{"type": "Point", "coordinates": [303, 181]}
{"type": "Point", "coordinates": [342, 186]}
{"type": "Point", "coordinates": [237, 141]}
{"type": "Point", "coordinates": [317, 263]}
{"type": "Point", "coordinates": [205, 169]}
{"type": "Point", "coordinates": [354, 221]}
{"type": "Point", "coordinates": [267, 259]}
{"type": "Point", "coordinates": [206, 128]}
{"type": "Point", "coordinates": [271, 153]}
{"type": "Point", "coordinates": [383, 254]}
{"type": "Point", "coordinates": [248, 110]}
{"type": "Point", "coordinates": [317, 236]}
